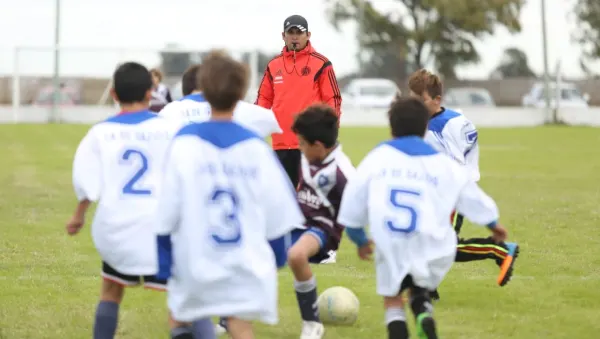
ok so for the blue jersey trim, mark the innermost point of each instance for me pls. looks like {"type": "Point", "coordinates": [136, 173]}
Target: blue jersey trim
{"type": "Point", "coordinates": [411, 145]}
{"type": "Point", "coordinates": [132, 118]}
{"type": "Point", "coordinates": [222, 134]}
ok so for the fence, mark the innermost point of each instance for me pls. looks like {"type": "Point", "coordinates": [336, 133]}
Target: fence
{"type": "Point", "coordinates": [84, 72]}
{"type": "Point", "coordinates": [482, 117]}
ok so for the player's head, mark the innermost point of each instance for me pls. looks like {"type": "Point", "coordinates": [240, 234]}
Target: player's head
{"type": "Point", "coordinates": [408, 117]}
{"type": "Point", "coordinates": [317, 131]}
{"type": "Point", "coordinates": [428, 87]}
{"type": "Point", "coordinates": [224, 81]}
{"type": "Point", "coordinates": [189, 80]}
{"type": "Point", "coordinates": [132, 83]}
{"type": "Point", "coordinates": [157, 76]}
{"type": "Point", "coordinates": [295, 32]}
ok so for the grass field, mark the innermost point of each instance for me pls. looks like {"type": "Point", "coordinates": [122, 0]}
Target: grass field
{"type": "Point", "coordinates": [545, 180]}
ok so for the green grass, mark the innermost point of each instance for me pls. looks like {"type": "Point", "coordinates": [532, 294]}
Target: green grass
{"type": "Point", "coordinates": [545, 181]}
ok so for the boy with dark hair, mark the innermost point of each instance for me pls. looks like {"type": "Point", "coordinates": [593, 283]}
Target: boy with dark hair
{"type": "Point", "coordinates": [454, 135]}
{"type": "Point", "coordinates": [222, 186]}
{"type": "Point", "coordinates": [193, 107]}
{"type": "Point", "coordinates": [404, 190]}
{"type": "Point", "coordinates": [324, 172]}
{"type": "Point", "coordinates": [118, 164]}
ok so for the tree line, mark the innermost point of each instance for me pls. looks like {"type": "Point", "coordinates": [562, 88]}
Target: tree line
{"type": "Point", "coordinates": [443, 32]}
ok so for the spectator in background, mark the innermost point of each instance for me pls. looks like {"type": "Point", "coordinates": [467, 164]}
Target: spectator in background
{"type": "Point", "coordinates": [294, 80]}
{"type": "Point", "coordinates": [161, 95]}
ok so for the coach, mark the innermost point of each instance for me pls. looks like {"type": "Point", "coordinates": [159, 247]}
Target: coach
{"type": "Point", "coordinates": [294, 80]}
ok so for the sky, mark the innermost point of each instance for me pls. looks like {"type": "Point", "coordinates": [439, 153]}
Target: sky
{"type": "Point", "coordinates": [97, 34]}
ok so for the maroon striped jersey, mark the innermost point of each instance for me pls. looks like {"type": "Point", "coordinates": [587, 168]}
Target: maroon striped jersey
{"type": "Point", "coordinates": [320, 193]}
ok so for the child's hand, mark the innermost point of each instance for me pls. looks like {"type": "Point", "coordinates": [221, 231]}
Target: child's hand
{"type": "Point", "coordinates": [75, 224]}
{"type": "Point", "coordinates": [499, 233]}
{"type": "Point", "coordinates": [365, 251]}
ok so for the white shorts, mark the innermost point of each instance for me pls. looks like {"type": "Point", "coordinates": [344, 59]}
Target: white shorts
{"type": "Point", "coordinates": [426, 260]}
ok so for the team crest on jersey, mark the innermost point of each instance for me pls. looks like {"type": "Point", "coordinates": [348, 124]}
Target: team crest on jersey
{"type": "Point", "coordinates": [322, 181]}
{"type": "Point", "coordinates": [305, 71]}
{"type": "Point", "coordinates": [471, 137]}
{"type": "Point", "coordinates": [278, 79]}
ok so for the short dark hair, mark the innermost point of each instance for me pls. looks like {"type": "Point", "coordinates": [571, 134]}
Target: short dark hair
{"type": "Point", "coordinates": [424, 81]}
{"type": "Point", "coordinates": [408, 117]}
{"type": "Point", "coordinates": [317, 123]}
{"type": "Point", "coordinates": [224, 81]}
{"type": "Point", "coordinates": [131, 82]}
{"type": "Point", "coordinates": [189, 79]}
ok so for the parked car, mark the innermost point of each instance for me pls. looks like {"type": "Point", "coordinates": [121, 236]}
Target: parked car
{"type": "Point", "coordinates": [567, 94]}
{"type": "Point", "coordinates": [370, 93]}
{"type": "Point", "coordinates": [456, 98]}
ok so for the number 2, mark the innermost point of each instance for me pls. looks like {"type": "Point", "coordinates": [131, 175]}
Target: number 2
{"type": "Point", "coordinates": [226, 227]}
{"type": "Point", "coordinates": [127, 159]}
{"type": "Point", "coordinates": [398, 203]}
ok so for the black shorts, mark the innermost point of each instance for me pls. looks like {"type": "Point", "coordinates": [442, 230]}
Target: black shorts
{"type": "Point", "coordinates": [149, 281]}
{"type": "Point", "coordinates": [290, 160]}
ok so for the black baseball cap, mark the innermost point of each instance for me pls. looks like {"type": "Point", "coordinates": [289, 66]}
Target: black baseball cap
{"type": "Point", "coordinates": [297, 21]}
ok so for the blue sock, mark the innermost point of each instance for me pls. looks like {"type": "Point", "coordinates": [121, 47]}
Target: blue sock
{"type": "Point", "coordinates": [204, 329]}
{"type": "Point", "coordinates": [107, 316]}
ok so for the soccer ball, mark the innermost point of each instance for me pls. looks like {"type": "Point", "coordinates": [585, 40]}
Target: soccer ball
{"type": "Point", "coordinates": [338, 305]}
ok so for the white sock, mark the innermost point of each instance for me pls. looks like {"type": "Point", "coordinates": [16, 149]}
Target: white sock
{"type": "Point", "coordinates": [305, 286]}
{"type": "Point", "coordinates": [394, 314]}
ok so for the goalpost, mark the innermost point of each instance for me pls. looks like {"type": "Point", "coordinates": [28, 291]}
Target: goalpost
{"type": "Point", "coordinates": [85, 77]}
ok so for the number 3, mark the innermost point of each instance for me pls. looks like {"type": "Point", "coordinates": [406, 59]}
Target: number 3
{"type": "Point", "coordinates": [395, 197]}
{"type": "Point", "coordinates": [226, 229]}
{"type": "Point", "coordinates": [127, 159]}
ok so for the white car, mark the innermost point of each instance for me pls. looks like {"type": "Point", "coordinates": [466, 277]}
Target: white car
{"type": "Point", "coordinates": [459, 97]}
{"type": "Point", "coordinates": [567, 94]}
{"type": "Point", "coordinates": [370, 93]}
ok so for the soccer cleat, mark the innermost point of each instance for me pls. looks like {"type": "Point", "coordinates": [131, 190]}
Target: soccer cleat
{"type": "Point", "coordinates": [426, 326]}
{"type": "Point", "coordinates": [434, 295]}
{"type": "Point", "coordinates": [312, 330]}
{"type": "Point", "coordinates": [506, 269]}
{"type": "Point", "coordinates": [331, 259]}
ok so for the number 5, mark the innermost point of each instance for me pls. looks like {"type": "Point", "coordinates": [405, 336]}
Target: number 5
{"type": "Point", "coordinates": [395, 200]}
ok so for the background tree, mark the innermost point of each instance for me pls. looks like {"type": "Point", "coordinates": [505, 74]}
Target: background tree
{"type": "Point", "coordinates": [425, 31]}
{"type": "Point", "coordinates": [587, 13]}
{"type": "Point", "coordinates": [514, 64]}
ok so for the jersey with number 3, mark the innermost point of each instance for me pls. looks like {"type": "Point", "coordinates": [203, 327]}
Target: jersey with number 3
{"type": "Point", "coordinates": [119, 164]}
{"type": "Point", "coordinates": [405, 191]}
{"type": "Point", "coordinates": [453, 134]}
{"type": "Point", "coordinates": [225, 196]}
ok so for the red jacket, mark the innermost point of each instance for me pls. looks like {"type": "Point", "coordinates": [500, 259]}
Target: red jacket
{"type": "Point", "coordinates": [291, 84]}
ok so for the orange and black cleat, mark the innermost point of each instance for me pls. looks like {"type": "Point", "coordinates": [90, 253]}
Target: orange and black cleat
{"type": "Point", "coordinates": [506, 269]}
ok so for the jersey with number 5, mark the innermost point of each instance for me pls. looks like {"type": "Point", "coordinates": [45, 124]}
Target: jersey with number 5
{"type": "Point", "coordinates": [404, 189]}
{"type": "Point", "coordinates": [119, 164]}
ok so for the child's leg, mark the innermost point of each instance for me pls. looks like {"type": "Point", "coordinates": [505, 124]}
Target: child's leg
{"type": "Point", "coordinates": [111, 295]}
{"type": "Point", "coordinates": [239, 329]}
{"type": "Point", "coordinates": [305, 284]}
{"type": "Point", "coordinates": [423, 311]}
{"type": "Point", "coordinates": [395, 318]}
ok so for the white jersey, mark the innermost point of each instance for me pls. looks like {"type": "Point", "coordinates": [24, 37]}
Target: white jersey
{"type": "Point", "coordinates": [405, 190]}
{"type": "Point", "coordinates": [194, 108]}
{"type": "Point", "coordinates": [453, 134]}
{"type": "Point", "coordinates": [225, 195]}
{"type": "Point", "coordinates": [119, 164]}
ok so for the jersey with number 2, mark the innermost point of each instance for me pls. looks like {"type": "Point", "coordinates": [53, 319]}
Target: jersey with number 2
{"type": "Point", "coordinates": [119, 164]}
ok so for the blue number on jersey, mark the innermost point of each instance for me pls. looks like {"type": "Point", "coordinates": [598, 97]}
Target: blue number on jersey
{"type": "Point", "coordinates": [395, 195]}
{"type": "Point", "coordinates": [127, 159]}
{"type": "Point", "coordinates": [228, 232]}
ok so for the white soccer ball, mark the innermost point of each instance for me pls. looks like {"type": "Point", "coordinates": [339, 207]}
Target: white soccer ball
{"type": "Point", "coordinates": [338, 305]}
